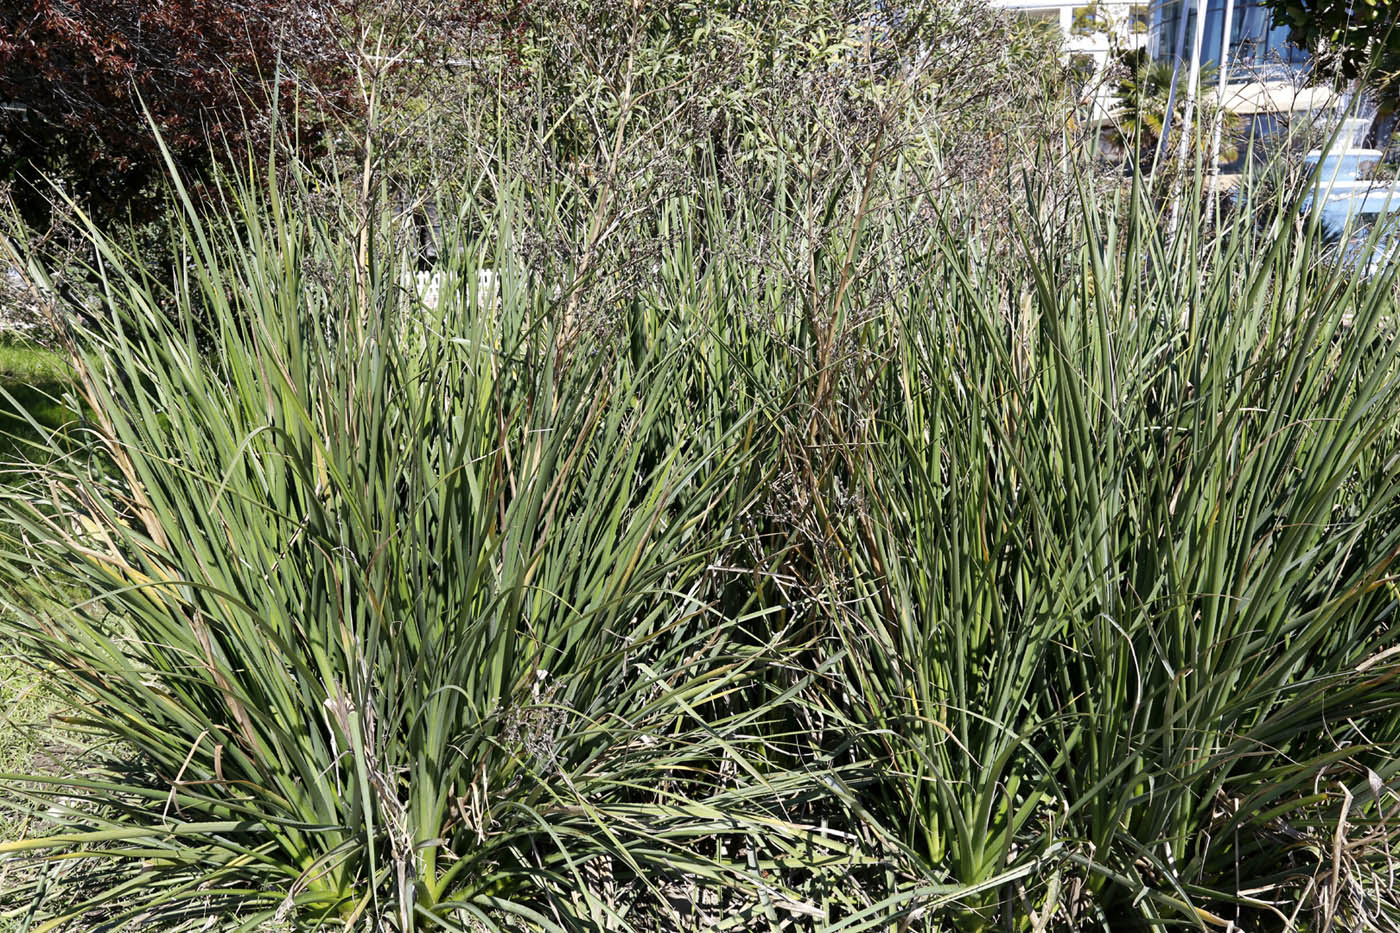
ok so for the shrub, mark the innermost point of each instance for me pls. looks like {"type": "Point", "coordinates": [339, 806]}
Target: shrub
{"type": "Point", "coordinates": [82, 83]}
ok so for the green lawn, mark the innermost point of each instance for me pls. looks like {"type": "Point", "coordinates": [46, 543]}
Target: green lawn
{"type": "Point", "coordinates": [25, 708]}
{"type": "Point", "coordinates": [32, 382]}
{"type": "Point", "coordinates": [25, 363]}
{"type": "Point", "coordinates": [32, 742]}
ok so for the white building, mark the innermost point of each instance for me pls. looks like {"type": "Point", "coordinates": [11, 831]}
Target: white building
{"type": "Point", "coordinates": [1255, 49]}
{"type": "Point", "coordinates": [1093, 33]}
{"type": "Point", "coordinates": [1266, 76]}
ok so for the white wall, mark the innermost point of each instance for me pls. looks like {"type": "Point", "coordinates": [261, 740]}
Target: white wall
{"type": "Point", "coordinates": [1100, 45]}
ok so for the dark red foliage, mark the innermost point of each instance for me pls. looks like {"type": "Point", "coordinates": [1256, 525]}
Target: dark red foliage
{"type": "Point", "coordinates": [75, 73]}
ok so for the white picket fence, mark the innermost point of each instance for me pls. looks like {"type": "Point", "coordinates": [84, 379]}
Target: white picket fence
{"type": "Point", "coordinates": [429, 284]}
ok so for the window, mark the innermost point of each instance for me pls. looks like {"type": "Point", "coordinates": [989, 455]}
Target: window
{"type": "Point", "coordinates": [1042, 19]}
{"type": "Point", "coordinates": [1254, 42]}
{"type": "Point", "coordinates": [1139, 19]}
{"type": "Point", "coordinates": [1088, 20]}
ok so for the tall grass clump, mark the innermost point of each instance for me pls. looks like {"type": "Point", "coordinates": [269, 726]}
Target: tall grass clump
{"type": "Point", "coordinates": [801, 547]}
{"type": "Point", "coordinates": [394, 620]}
{"type": "Point", "coordinates": [1120, 602]}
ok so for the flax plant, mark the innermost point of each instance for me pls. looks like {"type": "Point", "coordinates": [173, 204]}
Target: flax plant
{"type": "Point", "coordinates": [397, 623]}
{"type": "Point", "coordinates": [1118, 614]}
{"type": "Point", "coordinates": [857, 561]}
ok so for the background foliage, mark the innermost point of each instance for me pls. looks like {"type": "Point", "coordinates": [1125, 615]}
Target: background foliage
{"type": "Point", "coordinates": [82, 85]}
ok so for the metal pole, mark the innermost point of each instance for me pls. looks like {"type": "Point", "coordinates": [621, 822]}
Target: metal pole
{"type": "Point", "coordinates": [1213, 206]}
{"type": "Point", "coordinates": [1171, 91]}
{"type": "Point", "coordinates": [1225, 28]}
{"type": "Point", "coordinates": [1193, 84]}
